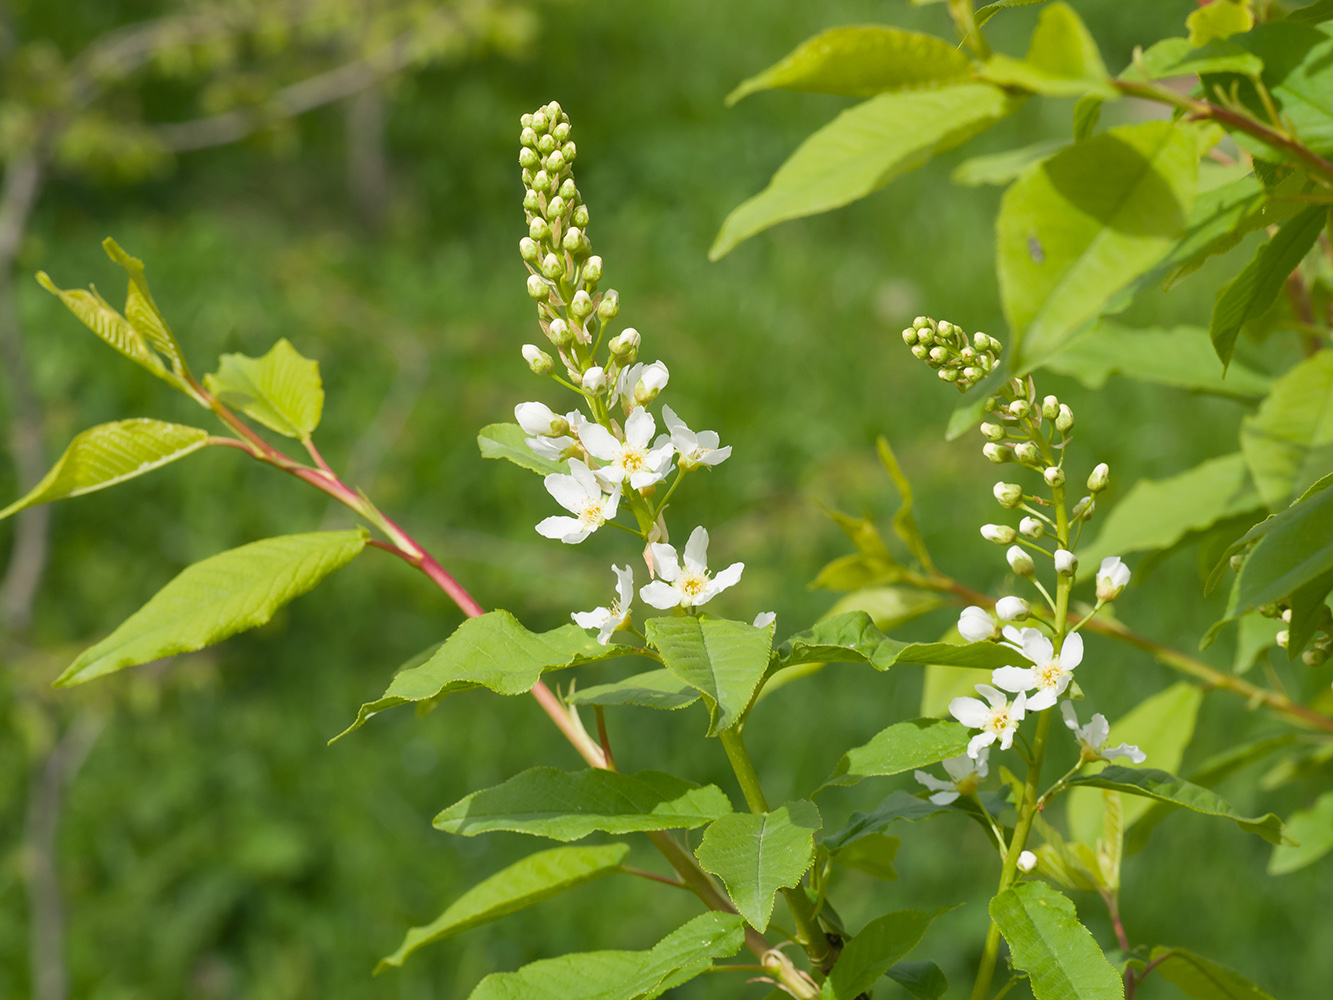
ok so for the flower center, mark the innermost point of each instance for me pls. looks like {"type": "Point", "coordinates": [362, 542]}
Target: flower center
{"type": "Point", "coordinates": [692, 584]}
{"type": "Point", "coordinates": [999, 719]}
{"type": "Point", "coordinates": [1049, 673]}
{"type": "Point", "coordinates": [632, 459]}
{"type": "Point", "coordinates": [590, 512]}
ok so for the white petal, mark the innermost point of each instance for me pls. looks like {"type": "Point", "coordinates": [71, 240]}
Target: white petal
{"type": "Point", "coordinates": [609, 627]}
{"type": "Point", "coordinates": [583, 475]}
{"type": "Point", "coordinates": [673, 422]}
{"type": "Point", "coordinates": [568, 491]}
{"type": "Point", "coordinates": [960, 767]}
{"type": "Point", "coordinates": [970, 712]}
{"type": "Point", "coordinates": [591, 619]}
{"type": "Point", "coordinates": [563, 528]}
{"type": "Point", "coordinates": [714, 456]}
{"type": "Point", "coordinates": [1070, 714]}
{"type": "Point", "coordinates": [534, 418]}
{"type": "Point", "coordinates": [624, 584]}
{"type": "Point", "coordinates": [980, 742]}
{"type": "Point", "coordinates": [1013, 679]}
{"type": "Point", "coordinates": [1098, 729]}
{"type": "Point", "coordinates": [666, 563]}
{"type": "Point", "coordinates": [1071, 653]}
{"type": "Point", "coordinates": [1042, 700]}
{"type": "Point", "coordinates": [1013, 637]}
{"type": "Point", "coordinates": [944, 798]}
{"type": "Point", "coordinates": [550, 448]}
{"type": "Point", "coordinates": [983, 766]}
{"type": "Point", "coordinates": [1027, 861]}
{"type": "Point", "coordinates": [660, 595]}
{"type": "Point", "coordinates": [1125, 750]}
{"type": "Point", "coordinates": [696, 550]}
{"type": "Point", "coordinates": [708, 440]}
{"type": "Point", "coordinates": [764, 619]}
{"type": "Point", "coordinates": [996, 699]}
{"type": "Point", "coordinates": [1036, 647]}
{"type": "Point", "coordinates": [611, 504]}
{"type": "Point", "coordinates": [638, 480]}
{"type": "Point", "coordinates": [975, 624]}
{"type": "Point", "coordinates": [600, 442]}
{"type": "Point", "coordinates": [727, 578]}
{"type": "Point", "coordinates": [1019, 708]}
{"type": "Point", "coordinates": [1006, 738]}
{"type": "Point", "coordinates": [932, 782]}
{"type": "Point", "coordinates": [639, 427]}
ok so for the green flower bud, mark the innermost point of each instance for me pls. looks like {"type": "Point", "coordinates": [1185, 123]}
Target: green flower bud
{"type": "Point", "coordinates": [580, 216]}
{"type": "Point", "coordinates": [568, 191]}
{"type": "Point", "coordinates": [528, 158]}
{"type": "Point", "coordinates": [527, 177]}
{"type": "Point", "coordinates": [992, 432]}
{"type": "Point", "coordinates": [1027, 453]}
{"type": "Point", "coordinates": [949, 374]}
{"type": "Point", "coordinates": [538, 360]}
{"type": "Point", "coordinates": [1237, 561]}
{"type": "Point", "coordinates": [529, 250]}
{"type": "Point", "coordinates": [539, 122]}
{"type": "Point", "coordinates": [1315, 656]}
{"type": "Point", "coordinates": [555, 162]}
{"type": "Point", "coordinates": [560, 333]}
{"type": "Point", "coordinates": [1083, 510]}
{"type": "Point", "coordinates": [1101, 475]}
{"type": "Point", "coordinates": [909, 336]}
{"type": "Point", "coordinates": [922, 323]}
{"type": "Point", "coordinates": [592, 270]}
{"type": "Point", "coordinates": [1000, 534]}
{"type": "Point", "coordinates": [1010, 495]}
{"type": "Point", "coordinates": [921, 352]}
{"type": "Point", "coordinates": [553, 267]}
{"type": "Point", "coordinates": [573, 239]}
{"type": "Point", "coordinates": [972, 375]}
{"type": "Point", "coordinates": [554, 112]}
{"type": "Point", "coordinates": [555, 208]}
{"type": "Point", "coordinates": [626, 345]}
{"type": "Point", "coordinates": [1050, 407]}
{"type": "Point", "coordinates": [997, 453]}
{"type": "Point", "coordinates": [526, 121]}
{"type": "Point", "coordinates": [940, 354]}
{"type": "Point", "coordinates": [1054, 476]}
{"type": "Point", "coordinates": [569, 151]}
{"type": "Point", "coordinates": [541, 181]}
{"type": "Point", "coordinates": [528, 138]}
{"type": "Point", "coordinates": [581, 304]}
{"type": "Point", "coordinates": [539, 230]}
{"type": "Point", "coordinates": [1019, 561]}
{"type": "Point", "coordinates": [609, 307]}
{"type": "Point", "coordinates": [546, 145]}
{"type": "Point", "coordinates": [1064, 419]}
{"type": "Point", "coordinates": [537, 288]}
{"type": "Point", "coordinates": [561, 132]}
{"type": "Point", "coordinates": [1019, 408]}
{"type": "Point", "coordinates": [532, 202]}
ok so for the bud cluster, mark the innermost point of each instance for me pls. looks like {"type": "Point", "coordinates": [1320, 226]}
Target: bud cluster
{"type": "Point", "coordinates": [1319, 647]}
{"type": "Point", "coordinates": [946, 348]}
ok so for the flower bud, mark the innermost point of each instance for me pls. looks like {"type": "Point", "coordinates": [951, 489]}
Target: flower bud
{"type": "Point", "coordinates": [1054, 476]}
{"type": "Point", "coordinates": [532, 202]}
{"type": "Point", "coordinates": [538, 288]}
{"type": "Point", "coordinates": [1019, 561]}
{"type": "Point", "coordinates": [529, 158]}
{"type": "Point", "coordinates": [922, 323]}
{"type": "Point", "coordinates": [625, 346]}
{"type": "Point", "coordinates": [1315, 656]}
{"type": "Point", "coordinates": [1083, 510]}
{"type": "Point", "coordinates": [581, 304]}
{"type": "Point", "coordinates": [546, 146]}
{"type": "Point", "coordinates": [976, 625]}
{"type": "Point", "coordinates": [1000, 534]}
{"type": "Point", "coordinates": [555, 160]}
{"type": "Point", "coordinates": [1026, 861]}
{"type": "Point", "coordinates": [561, 132]}
{"type": "Point", "coordinates": [528, 137]}
{"type": "Point", "coordinates": [940, 354]}
{"type": "Point", "coordinates": [1027, 453]}
{"type": "Point", "coordinates": [1099, 478]}
{"type": "Point", "coordinates": [541, 181]}
{"type": "Point", "coordinates": [992, 432]}
{"type": "Point", "coordinates": [653, 381]}
{"type": "Point", "coordinates": [569, 151]}
{"type": "Point", "coordinates": [909, 336]}
{"type": "Point", "coordinates": [1064, 419]}
{"type": "Point", "coordinates": [997, 453]}
{"type": "Point", "coordinates": [555, 208]}
{"type": "Point", "coordinates": [573, 239]}
{"type": "Point", "coordinates": [920, 352]}
{"type": "Point", "coordinates": [538, 420]}
{"type": "Point", "coordinates": [538, 360]}
{"type": "Point", "coordinates": [1031, 528]}
{"type": "Point", "coordinates": [1282, 638]}
{"type": "Point", "coordinates": [1019, 408]}
{"type": "Point", "coordinates": [1237, 561]}
{"type": "Point", "coordinates": [580, 216]}
{"type": "Point", "coordinates": [1009, 495]}
{"type": "Point", "coordinates": [609, 307]}
{"type": "Point", "coordinates": [594, 380]}
{"type": "Point", "coordinates": [539, 121]}
{"type": "Point", "coordinates": [568, 191]}
{"type": "Point", "coordinates": [1011, 609]}
{"type": "Point", "coordinates": [1066, 563]}
{"type": "Point", "coordinates": [560, 333]}
{"type": "Point", "coordinates": [529, 250]}
{"type": "Point", "coordinates": [553, 267]}
{"type": "Point", "coordinates": [1050, 407]}
{"type": "Point", "coordinates": [539, 230]}
{"type": "Point", "coordinates": [1112, 577]}
{"type": "Point", "coordinates": [592, 270]}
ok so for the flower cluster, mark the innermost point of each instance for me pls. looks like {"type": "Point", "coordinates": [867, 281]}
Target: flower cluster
{"type": "Point", "coordinates": [946, 348]}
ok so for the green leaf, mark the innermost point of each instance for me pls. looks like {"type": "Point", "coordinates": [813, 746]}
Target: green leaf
{"type": "Point", "coordinates": [622, 975]}
{"type": "Point", "coordinates": [1151, 783]}
{"type": "Point", "coordinates": [492, 651]}
{"type": "Point", "coordinates": [1226, 209]}
{"type": "Point", "coordinates": [850, 637]}
{"type": "Point", "coordinates": [218, 597]}
{"type": "Point", "coordinates": [1181, 357]}
{"type": "Point", "coordinates": [922, 980]}
{"type": "Point", "coordinates": [899, 805]}
{"type": "Point", "coordinates": [1001, 168]}
{"type": "Point", "coordinates": [533, 880]}
{"type": "Point", "coordinates": [97, 315]}
{"type": "Point", "coordinates": [1047, 942]}
{"type": "Point", "coordinates": [872, 854]}
{"type": "Point", "coordinates": [282, 390]}
{"type": "Point", "coordinates": [569, 805]}
{"type": "Point", "coordinates": [1220, 19]}
{"type": "Point", "coordinates": [1158, 513]}
{"type": "Point", "coordinates": [1293, 547]}
{"type": "Point", "coordinates": [108, 454]}
{"type": "Point", "coordinates": [901, 747]}
{"type": "Point", "coordinates": [653, 689]}
{"type": "Point", "coordinates": [985, 13]}
{"type": "Point", "coordinates": [863, 149]}
{"type": "Point", "coordinates": [1252, 292]}
{"type": "Point", "coordinates": [1076, 229]}
{"type": "Point", "coordinates": [904, 523]}
{"type": "Point", "coordinates": [1087, 113]}
{"type": "Point", "coordinates": [508, 441]}
{"type": "Point", "coordinates": [1062, 60]}
{"type": "Point", "coordinates": [1289, 442]}
{"type": "Point", "coordinates": [869, 954]}
{"type": "Point", "coordinates": [1315, 13]}
{"type": "Point", "coordinates": [889, 607]}
{"type": "Point", "coordinates": [1178, 57]}
{"type": "Point", "coordinates": [861, 61]}
{"type": "Point", "coordinates": [1201, 979]}
{"type": "Point", "coordinates": [1255, 634]}
{"type": "Point", "coordinates": [1312, 829]}
{"type": "Point", "coordinates": [756, 854]}
{"type": "Point", "coordinates": [142, 312]}
{"type": "Point", "coordinates": [722, 660]}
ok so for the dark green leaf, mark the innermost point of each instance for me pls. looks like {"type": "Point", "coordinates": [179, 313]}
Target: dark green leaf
{"type": "Point", "coordinates": [509, 442]}
{"type": "Point", "coordinates": [1062, 60]}
{"type": "Point", "coordinates": [533, 880]}
{"type": "Point", "coordinates": [218, 597]}
{"type": "Point", "coordinates": [1296, 547]}
{"type": "Point", "coordinates": [850, 637]}
{"type": "Point", "coordinates": [868, 955]}
{"type": "Point", "coordinates": [652, 689]}
{"type": "Point", "coordinates": [756, 854]}
{"type": "Point", "coordinates": [1231, 203]}
{"type": "Point", "coordinates": [1201, 979]}
{"type": "Point", "coordinates": [901, 747]}
{"type": "Point", "coordinates": [1001, 168]}
{"type": "Point", "coordinates": [861, 61]}
{"type": "Point", "coordinates": [1254, 290]}
{"type": "Point", "coordinates": [568, 805]}
{"type": "Point", "coordinates": [1047, 942]}
{"type": "Point", "coordinates": [1315, 13]}
{"type": "Point", "coordinates": [282, 390]}
{"type": "Point", "coordinates": [722, 660]}
{"type": "Point", "coordinates": [1312, 829]}
{"type": "Point", "coordinates": [863, 149]}
{"type": "Point", "coordinates": [899, 805]}
{"type": "Point", "coordinates": [923, 980]}
{"type": "Point", "coordinates": [872, 854]}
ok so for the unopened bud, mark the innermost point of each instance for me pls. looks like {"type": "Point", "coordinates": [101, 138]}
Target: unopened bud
{"type": "Point", "coordinates": [1009, 495]}
{"type": "Point", "coordinates": [626, 345]}
{"type": "Point", "coordinates": [1026, 861]}
{"type": "Point", "coordinates": [921, 323]}
{"type": "Point", "coordinates": [541, 181]}
{"type": "Point", "coordinates": [1000, 534]}
{"type": "Point", "coordinates": [1019, 408]}
{"type": "Point", "coordinates": [528, 158]}
{"type": "Point", "coordinates": [580, 216]}
{"type": "Point", "coordinates": [594, 380]}
{"type": "Point", "coordinates": [1112, 578]}
{"type": "Point", "coordinates": [555, 160]}
{"type": "Point", "coordinates": [1050, 407]}
{"type": "Point", "coordinates": [529, 250]}
{"type": "Point", "coordinates": [592, 269]}
{"type": "Point", "coordinates": [1099, 478]}
{"type": "Point", "coordinates": [539, 121]}
{"type": "Point", "coordinates": [553, 267]}
{"type": "Point", "coordinates": [1066, 563]}
{"type": "Point", "coordinates": [559, 332]}
{"type": "Point", "coordinates": [555, 208]}
{"type": "Point", "coordinates": [939, 354]}
{"type": "Point", "coordinates": [569, 151]}
{"type": "Point", "coordinates": [1054, 476]}
{"type": "Point", "coordinates": [1084, 509]}
{"type": "Point", "coordinates": [581, 305]}
{"type": "Point", "coordinates": [1011, 609]}
{"type": "Point", "coordinates": [909, 336]}
{"type": "Point", "coordinates": [1237, 561]}
{"type": "Point", "coordinates": [539, 230]}
{"type": "Point", "coordinates": [1019, 561]}
{"type": "Point", "coordinates": [538, 360]}
{"type": "Point", "coordinates": [1282, 638]}
{"type": "Point", "coordinates": [1064, 419]}
{"type": "Point", "coordinates": [1315, 656]}
{"type": "Point", "coordinates": [1027, 453]}
{"type": "Point", "coordinates": [921, 352]}
{"type": "Point", "coordinates": [992, 432]}
{"type": "Point", "coordinates": [538, 288]}
{"type": "Point", "coordinates": [532, 202]}
{"type": "Point", "coordinates": [561, 132]}
{"type": "Point", "coordinates": [997, 453]}
{"type": "Point", "coordinates": [1032, 528]}
{"type": "Point", "coordinates": [609, 307]}
{"type": "Point", "coordinates": [568, 191]}
{"type": "Point", "coordinates": [573, 239]}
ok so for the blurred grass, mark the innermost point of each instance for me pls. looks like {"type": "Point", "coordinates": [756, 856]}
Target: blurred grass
{"type": "Point", "coordinates": [213, 847]}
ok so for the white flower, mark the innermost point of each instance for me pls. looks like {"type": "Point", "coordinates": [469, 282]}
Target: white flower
{"type": "Point", "coordinates": [608, 620]}
{"type": "Point", "coordinates": [1093, 735]}
{"type": "Point", "coordinates": [1112, 577]}
{"type": "Point", "coordinates": [1011, 609]}
{"type": "Point", "coordinates": [764, 619]}
{"type": "Point", "coordinates": [1031, 527]}
{"type": "Point", "coordinates": [976, 625]}
{"type": "Point", "coordinates": [581, 495]}
{"type": "Point", "coordinates": [962, 770]}
{"type": "Point", "coordinates": [594, 380]}
{"type": "Point", "coordinates": [557, 449]}
{"type": "Point", "coordinates": [539, 420]}
{"type": "Point", "coordinates": [997, 721]}
{"type": "Point", "coordinates": [688, 585]}
{"type": "Point", "coordinates": [632, 458]}
{"type": "Point", "coordinates": [1065, 562]}
{"type": "Point", "coordinates": [695, 449]}
{"type": "Point", "coordinates": [1050, 673]}
{"type": "Point", "coordinates": [1027, 861]}
{"type": "Point", "coordinates": [639, 384]}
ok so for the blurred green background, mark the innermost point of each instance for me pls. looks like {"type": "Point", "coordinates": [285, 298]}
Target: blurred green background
{"type": "Point", "coordinates": [212, 846]}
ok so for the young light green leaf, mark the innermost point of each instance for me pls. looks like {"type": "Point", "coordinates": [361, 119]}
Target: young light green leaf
{"type": "Point", "coordinates": [1062, 59]}
{"type": "Point", "coordinates": [722, 660]}
{"type": "Point", "coordinates": [1219, 20]}
{"type": "Point", "coordinates": [888, 607]}
{"type": "Point", "coordinates": [985, 13]}
{"type": "Point", "coordinates": [97, 315]}
{"type": "Point", "coordinates": [1254, 635]}
{"type": "Point", "coordinates": [861, 61]}
{"type": "Point", "coordinates": [533, 880]}
{"type": "Point", "coordinates": [492, 651]}
{"type": "Point", "coordinates": [569, 805]}
{"type": "Point", "coordinates": [1181, 357]}
{"type": "Point", "coordinates": [1076, 229]}
{"type": "Point", "coordinates": [508, 441]}
{"type": "Point", "coordinates": [142, 311]}
{"type": "Point", "coordinates": [922, 980]}
{"type": "Point", "coordinates": [1227, 209]}
{"type": "Point", "coordinates": [1289, 442]}
{"type": "Point", "coordinates": [1001, 168]}
{"type": "Point", "coordinates": [756, 854]}
{"type": "Point", "coordinates": [217, 597]}
{"type": "Point", "coordinates": [1201, 979]}
{"type": "Point", "coordinates": [1158, 513]}
{"type": "Point", "coordinates": [871, 951]}
{"type": "Point", "coordinates": [108, 454]}
{"type": "Point", "coordinates": [1312, 829]}
{"type": "Point", "coordinates": [901, 747]}
{"type": "Point", "coordinates": [1178, 57]}
{"type": "Point", "coordinates": [1297, 73]}
{"type": "Point", "coordinates": [1254, 290]}
{"type": "Point", "coordinates": [653, 689]}
{"type": "Point", "coordinates": [282, 390]}
{"type": "Point", "coordinates": [1151, 783]}
{"type": "Point", "coordinates": [622, 975]}
{"type": "Point", "coordinates": [872, 854]}
{"type": "Point", "coordinates": [1047, 942]}
{"type": "Point", "coordinates": [863, 149]}
{"type": "Point", "coordinates": [904, 522]}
